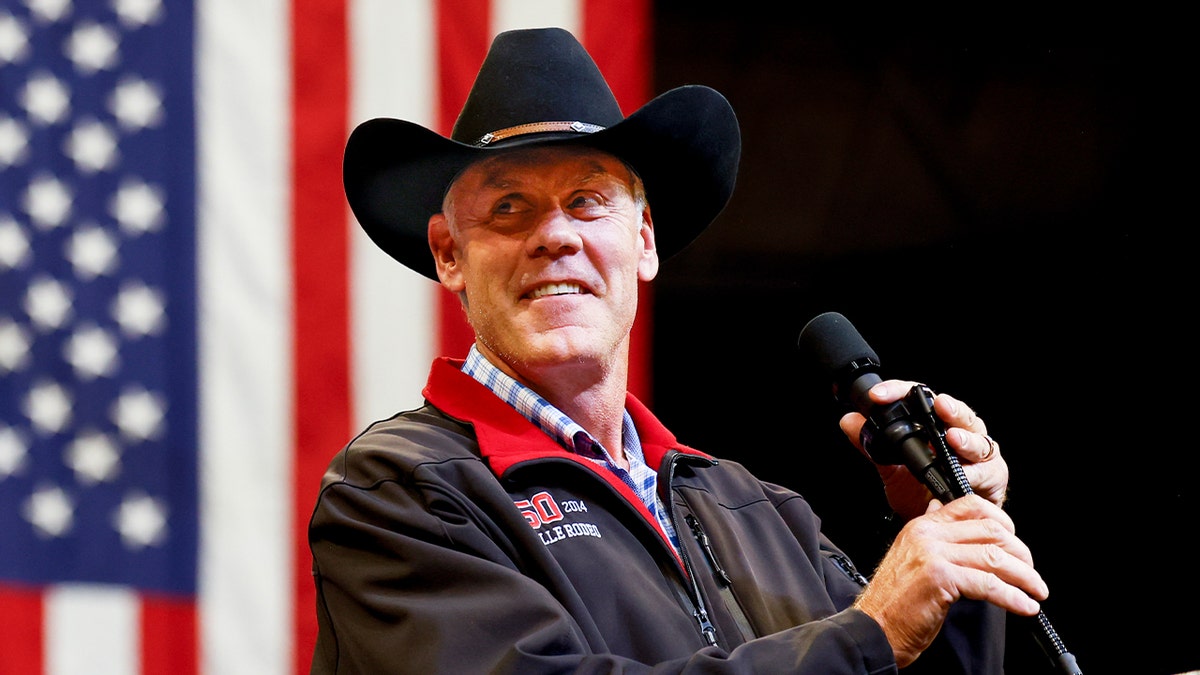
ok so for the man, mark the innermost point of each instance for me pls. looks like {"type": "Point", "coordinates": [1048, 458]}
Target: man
{"type": "Point", "coordinates": [533, 517]}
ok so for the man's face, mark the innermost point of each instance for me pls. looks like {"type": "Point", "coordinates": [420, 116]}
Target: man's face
{"type": "Point", "coordinates": [547, 245]}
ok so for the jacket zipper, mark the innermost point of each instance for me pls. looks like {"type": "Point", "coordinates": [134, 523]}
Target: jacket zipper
{"type": "Point", "coordinates": [724, 582]}
{"type": "Point", "coordinates": [699, 611]}
{"type": "Point", "coordinates": [848, 568]}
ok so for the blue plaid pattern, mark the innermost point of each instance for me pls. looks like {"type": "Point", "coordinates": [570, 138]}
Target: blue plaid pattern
{"type": "Point", "coordinates": [641, 478]}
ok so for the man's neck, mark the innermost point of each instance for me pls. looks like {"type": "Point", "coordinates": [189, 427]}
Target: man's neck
{"type": "Point", "coordinates": [591, 394]}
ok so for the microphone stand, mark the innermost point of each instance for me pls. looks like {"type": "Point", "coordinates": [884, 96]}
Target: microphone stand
{"type": "Point", "coordinates": [910, 428]}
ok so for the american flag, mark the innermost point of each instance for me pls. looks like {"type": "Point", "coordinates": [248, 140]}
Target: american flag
{"type": "Point", "coordinates": [191, 323]}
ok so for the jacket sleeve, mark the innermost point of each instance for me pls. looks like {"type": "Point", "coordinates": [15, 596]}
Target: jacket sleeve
{"type": "Point", "coordinates": [972, 638]}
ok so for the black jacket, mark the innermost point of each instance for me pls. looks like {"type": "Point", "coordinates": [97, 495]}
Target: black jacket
{"type": "Point", "coordinates": [458, 538]}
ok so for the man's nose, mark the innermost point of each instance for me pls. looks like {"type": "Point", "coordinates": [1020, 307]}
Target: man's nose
{"type": "Point", "coordinates": [556, 233]}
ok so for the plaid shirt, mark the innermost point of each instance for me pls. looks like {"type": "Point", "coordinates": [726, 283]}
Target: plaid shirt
{"type": "Point", "coordinates": [640, 477]}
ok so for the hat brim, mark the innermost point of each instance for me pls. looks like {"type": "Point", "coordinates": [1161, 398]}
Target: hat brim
{"type": "Point", "coordinates": [685, 144]}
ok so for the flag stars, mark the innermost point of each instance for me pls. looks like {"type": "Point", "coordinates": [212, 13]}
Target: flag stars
{"type": "Point", "coordinates": [14, 142]}
{"type": "Point", "coordinates": [92, 47]}
{"type": "Point", "coordinates": [48, 407]}
{"type": "Point", "coordinates": [14, 346]}
{"type": "Point", "coordinates": [48, 303]}
{"type": "Point", "coordinates": [94, 458]}
{"type": "Point", "coordinates": [139, 310]}
{"type": "Point", "coordinates": [92, 251]}
{"type": "Point", "coordinates": [14, 244]}
{"type": "Point", "coordinates": [138, 207]}
{"type": "Point", "coordinates": [142, 521]}
{"type": "Point", "coordinates": [14, 452]}
{"type": "Point", "coordinates": [134, 13]}
{"type": "Point", "coordinates": [49, 10]}
{"type": "Point", "coordinates": [92, 146]}
{"type": "Point", "coordinates": [50, 511]}
{"type": "Point", "coordinates": [139, 414]}
{"type": "Point", "coordinates": [14, 39]}
{"type": "Point", "coordinates": [47, 200]}
{"type": "Point", "coordinates": [92, 352]}
{"type": "Point", "coordinates": [136, 104]}
{"type": "Point", "coordinates": [45, 99]}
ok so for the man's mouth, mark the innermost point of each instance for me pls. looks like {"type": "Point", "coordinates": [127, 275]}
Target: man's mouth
{"type": "Point", "coordinates": [555, 289]}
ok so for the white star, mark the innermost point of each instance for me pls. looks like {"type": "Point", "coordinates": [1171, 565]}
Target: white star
{"type": "Point", "coordinates": [138, 414]}
{"type": "Point", "coordinates": [14, 244]}
{"type": "Point", "coordinates": [14, 40]}
{"type": "Point", "coordinates": [139, 310]}
{"type": "Point", "coordinates": [92, 145]}
{"type": "Point", "coordinates": [14, 346]}
{"type": "Point", "coordinates": [94, 457]}
{"type": "Point", "coordinates": [48, 406]}
{"type": "Point", "coordinates": [135, 13]}
{"type": "Point", "coordinates": [47, 200]}
{"type": "Point", "coordinates": [141, 520]}
{"type": "Point", "coordinates": [92, 351]}
{"type": "Point", "coordinates": [92, 251]}
{"type": "Point", "coordinates": [14, 142]}
{"type": "Point", "coordinates": [45, 99]}
{"type": "Point", "coordinates": [49, 10]}
{"type": "Point", "coordinates": [92, 47]}
{"type": "Point", "coordinates": [50, 511]}
{"type": "Point", "coordinates": [13, 452]}
{"type": "Point", "coordinates": [136, 103]}
{"type": "Point", "coordinates": [138, 207]}
{"type": "Point", "coordinates": [48, 303]}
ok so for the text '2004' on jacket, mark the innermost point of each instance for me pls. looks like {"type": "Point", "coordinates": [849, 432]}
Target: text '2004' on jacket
{"type": "Point", "coordinates": [458, 538]}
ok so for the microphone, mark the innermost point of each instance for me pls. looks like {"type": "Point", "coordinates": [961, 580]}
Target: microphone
{"type": "Point", "coordinates": [903, 432]}
{"type": "Point", "coordinates": [897, 433]}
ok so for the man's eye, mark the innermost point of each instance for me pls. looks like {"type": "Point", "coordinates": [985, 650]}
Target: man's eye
{"type": "Point", "coordinates": [508, 206]}
{"type": "Point", "coordinates": [584, 201]}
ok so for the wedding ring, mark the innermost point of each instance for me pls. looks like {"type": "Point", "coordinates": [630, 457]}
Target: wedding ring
{"type": "Point", "coordinates": [991, 449]}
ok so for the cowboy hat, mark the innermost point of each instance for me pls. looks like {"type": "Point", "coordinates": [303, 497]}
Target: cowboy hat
{"type": "Point", "coordinates": [541, 86]}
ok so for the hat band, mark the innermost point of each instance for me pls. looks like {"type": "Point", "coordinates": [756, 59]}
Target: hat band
{"type": "Point", "coordinates": [537, 128]}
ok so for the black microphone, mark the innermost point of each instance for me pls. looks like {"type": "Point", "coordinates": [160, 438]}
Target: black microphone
{"type": "Point", "coordinates": [903, 432]}
{"type": "Point", "coordinates": [897, 433]}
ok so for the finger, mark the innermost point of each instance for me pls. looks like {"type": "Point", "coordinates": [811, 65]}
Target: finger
{"type": "Point", "coordinates": [891, 390]}
{"type": "Point", "coordinates": [973, 447]}
{"type": "Point", "coordinates": [1016, 598]}
{"type": "Point", "coordinates": [974, 509]}
{"type": "Point", "coordinates": [955, 413]}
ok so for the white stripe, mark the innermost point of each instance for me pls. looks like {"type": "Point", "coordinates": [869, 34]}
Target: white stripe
{"type": "Point", "coordinates": [393, 308]}
{"type": "Point", "coordinates": [511, 14]}
{"type": "Point", "coordinates": [245, 346]}
{"type": "Point", "coordinates": [92, 630]}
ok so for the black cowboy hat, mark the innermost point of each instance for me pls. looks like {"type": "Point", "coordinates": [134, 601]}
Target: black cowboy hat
{"type": "Point", "coordinates": [541, 86]}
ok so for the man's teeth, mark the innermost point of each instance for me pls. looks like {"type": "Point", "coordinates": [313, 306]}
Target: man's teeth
{"type": "Point", "coordinates": [554, 289]}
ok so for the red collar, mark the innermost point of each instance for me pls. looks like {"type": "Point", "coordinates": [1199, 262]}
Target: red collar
{"type": "Point", "coordinates": [506, 437]}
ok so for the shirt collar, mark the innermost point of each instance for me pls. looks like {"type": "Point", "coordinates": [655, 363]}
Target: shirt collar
{"type": "Point", "coordinates": [540, 412]}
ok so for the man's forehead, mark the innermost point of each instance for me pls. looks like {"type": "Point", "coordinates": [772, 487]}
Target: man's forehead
{"type": "Point", "coordinates": [509, 164]}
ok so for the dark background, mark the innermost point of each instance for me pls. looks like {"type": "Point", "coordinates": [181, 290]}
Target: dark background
{"type": "Point", "coordinates": [998, 208]}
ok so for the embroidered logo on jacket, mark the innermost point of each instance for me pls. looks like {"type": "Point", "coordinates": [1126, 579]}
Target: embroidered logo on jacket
{"type": "Point", "coordinates": [546, 515]}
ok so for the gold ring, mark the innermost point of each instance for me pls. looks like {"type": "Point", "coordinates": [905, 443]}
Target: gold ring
{"type": "Point", "coordinates": [991, 449]}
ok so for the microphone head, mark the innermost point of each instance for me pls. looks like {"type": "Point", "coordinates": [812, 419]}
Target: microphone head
{"type": "Point", "coordinates": [842, 354]}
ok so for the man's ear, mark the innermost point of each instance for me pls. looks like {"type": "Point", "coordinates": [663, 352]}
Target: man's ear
{"type": "Point", "coordinates": [441, 244]}
{"type": "Point", "coordinates": [648, 264]}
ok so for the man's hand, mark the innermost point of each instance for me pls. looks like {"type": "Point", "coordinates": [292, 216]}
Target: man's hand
{"type": "Point", "coordinates": [964, 549]}
{"type": "Point", "coordinates": [966, 433]}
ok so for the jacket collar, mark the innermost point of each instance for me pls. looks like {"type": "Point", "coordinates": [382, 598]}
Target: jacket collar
{"type": "Point", "coordinates": [506, 437]}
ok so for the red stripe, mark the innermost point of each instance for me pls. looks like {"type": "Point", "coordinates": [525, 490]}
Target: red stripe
{"type": "Point", "coordinates": [20, 631]}
{"type": "Point", "coordinates": [169, 636]}
{"type": "Point", "coordinates": [320, 256]}
{"type": "Point", "coordinates": [463, 38]}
